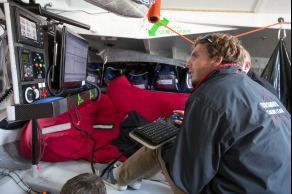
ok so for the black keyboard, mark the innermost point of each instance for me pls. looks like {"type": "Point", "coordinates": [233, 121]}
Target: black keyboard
{"type": "Point", "coordinates": [158, 131]}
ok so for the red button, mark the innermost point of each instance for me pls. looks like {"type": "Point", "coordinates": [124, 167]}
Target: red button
{"type": "Point", "coordinates": [45, 94]}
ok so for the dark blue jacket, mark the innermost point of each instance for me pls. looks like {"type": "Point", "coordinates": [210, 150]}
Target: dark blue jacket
{"type": "Point", "coordinates": [235, 138]}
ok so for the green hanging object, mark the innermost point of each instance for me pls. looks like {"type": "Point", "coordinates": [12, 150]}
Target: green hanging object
{"type": "Point", "coordinates": [80, 100]}
{"type": "Point", "coordinates": [91, 96]}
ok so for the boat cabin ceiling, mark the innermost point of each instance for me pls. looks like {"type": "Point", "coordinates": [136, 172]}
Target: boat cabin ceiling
{"type": "Point", "coordinates": [111, 27]}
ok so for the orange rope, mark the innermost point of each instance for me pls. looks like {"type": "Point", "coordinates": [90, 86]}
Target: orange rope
{"type": "Point", "coordinates": [192, 42]}
{"type": "Point", "coordinates": [252, 31]}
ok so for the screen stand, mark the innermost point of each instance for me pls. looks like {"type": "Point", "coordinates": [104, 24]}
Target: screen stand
{"type": "Point", "coordinates": [34, 149]}
{"type": "Point", "coordinates": [45, 110]}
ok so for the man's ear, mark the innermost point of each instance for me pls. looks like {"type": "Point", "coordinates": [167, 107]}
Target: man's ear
{"type": "Point", "coordinates": [246, 66]}
{"type": "Point", "coordinates": [218, 60]}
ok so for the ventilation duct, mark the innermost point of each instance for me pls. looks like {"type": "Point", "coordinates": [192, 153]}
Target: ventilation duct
{"type": "Point", "coordinates": [128, 8]}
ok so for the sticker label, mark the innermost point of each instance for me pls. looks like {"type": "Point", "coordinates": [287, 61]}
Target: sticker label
{"type": "Point", "coordinates": [148, 2]}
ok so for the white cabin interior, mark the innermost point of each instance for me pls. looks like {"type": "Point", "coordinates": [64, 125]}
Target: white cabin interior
{"type": "Point", "coordinates": [111, 30]}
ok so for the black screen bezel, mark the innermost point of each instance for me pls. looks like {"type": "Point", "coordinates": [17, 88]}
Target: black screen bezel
{"type": "Point", "coordinates": [59, 69]}
{"type": "Point", "coordinates": [30, 17]}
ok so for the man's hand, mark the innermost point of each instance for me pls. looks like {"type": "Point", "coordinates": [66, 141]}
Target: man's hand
{"type": "Point", "coordinates": [180, 115]}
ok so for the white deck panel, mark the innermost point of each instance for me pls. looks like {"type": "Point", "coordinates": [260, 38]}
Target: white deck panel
{"type": "Point", "coordinates": [52, 176]}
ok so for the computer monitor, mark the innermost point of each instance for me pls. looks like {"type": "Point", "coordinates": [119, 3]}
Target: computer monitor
{"type": "Point", "coordinates": [71, 60]}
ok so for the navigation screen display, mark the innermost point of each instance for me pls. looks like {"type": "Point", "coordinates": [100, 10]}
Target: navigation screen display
{"type": "Point", "coordinates": [76, 58]}
{"type": "Point", "coordinates": [25, 58]}
{"type": "Point", "coordinates": [28, 29]}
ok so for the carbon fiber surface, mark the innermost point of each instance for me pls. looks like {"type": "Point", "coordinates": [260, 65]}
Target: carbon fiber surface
{"type": "Point", "coordinates": [51, 109]}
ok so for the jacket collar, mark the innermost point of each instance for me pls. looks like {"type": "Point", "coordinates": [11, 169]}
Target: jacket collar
{"type": "Point", "coordinates": [209, 74]}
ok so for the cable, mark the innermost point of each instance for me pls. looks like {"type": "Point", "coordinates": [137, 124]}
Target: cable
{"type": "Point", "coordinates": [104, 63]}
{"type": "Point", "coordinates": [259, 29]}
{"type": "Point", "coordinates": [98, 91]}
{"type": "Point", "coordinates": [239, 35]}
{"type": "Point", "coordinates": [42, 144]}
{"type": "Point", "coordinates": [4, 31]}
{"type": "Point", "coordinates": [48, 83]}
{"type": "Point", "coordinates": [6, 94]}
{"type": "Point", "coordinates": [5, 79]}
{"type": "Point", "coordinates": [19, 181]}
{"type": "Point", "coordinates": [72, 11]}
{"type": "Point", "coordinates": [182, 36]}
{"type": "Point", "coordinates": [87, 134]}
{"type": "Point", "coordinates": [3, 27]}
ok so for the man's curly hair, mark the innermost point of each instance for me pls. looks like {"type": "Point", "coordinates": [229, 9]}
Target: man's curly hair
{"type": "Point", "coordinates": [224, 45]}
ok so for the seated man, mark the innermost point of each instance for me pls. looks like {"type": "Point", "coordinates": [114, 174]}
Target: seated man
{"type": "Point", "coordinates": [235, 136]}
